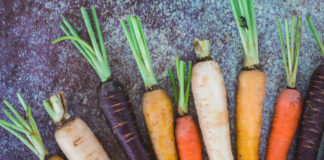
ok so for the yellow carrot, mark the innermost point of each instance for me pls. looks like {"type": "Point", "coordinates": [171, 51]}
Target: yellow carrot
{"type": "Point", "coordinates": [157, 107]}
{"type": "Point", "coordinates": [249, 103]}
{"type": "Point", "coordinates": [158, 114]}
{"type": "Point", "coordinates": [251, 85]}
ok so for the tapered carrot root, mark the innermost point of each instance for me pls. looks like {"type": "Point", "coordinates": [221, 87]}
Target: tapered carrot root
{"type": "Point", "coordinates": [284, 125]}
{"type": "Point", "coordinates": [158, 114]}
{"type": "Point", "coordinates": [209, 93]}
{"type": "Point", "coordinates": [188, 140]}
{"type": "Point", "coordinates": [250, 97]}
{"type": "Point", "coordinates": [78, 142]}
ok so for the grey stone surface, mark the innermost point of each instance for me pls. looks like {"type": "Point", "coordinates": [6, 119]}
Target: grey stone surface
{"type": "Point", "coordinates": [32, 66]}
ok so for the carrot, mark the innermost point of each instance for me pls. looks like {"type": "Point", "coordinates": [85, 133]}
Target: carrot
{"type": "Point", "coordinates": [32, 138]}
{"type": "Point", "coordinates": [73, 136]}
{"type": "Point", "coordinates": [186, 130]}
{"type": "Point", "coordinates": [312, 120]}
{"type": "Point", "coordinates": [157, 106]}
{"type": "Point", "coordinates": [289, 103]}
{"type": "Point", "coordinates": [251, 85]}
{"type": "Point", "coordinates": [209, 94]}
{"type": "Point", "coordinates": [112, 98]}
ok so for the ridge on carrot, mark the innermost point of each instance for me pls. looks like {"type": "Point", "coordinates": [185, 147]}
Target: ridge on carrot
{"type": "Point", "coordinates": [312, 120]}
{"type": "Point", "coordinates": [251, 84]}
{"type": "Point", "coordinates": [289, 103]}
{"type": "Point", "coordinates": [157, 106]}
{"type": "Point", "coordinates": [32, 138]}
{"type": "Point", "coordinates": [113, 100]}
{"type": "Point", "coordinates": [209, 92]}
{"type": "Point", "coordinates": [186, 130]}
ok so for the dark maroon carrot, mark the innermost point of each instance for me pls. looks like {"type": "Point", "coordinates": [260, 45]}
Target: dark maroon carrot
{"type": "Point", "coordinates": [112, 99]}
{"type": "Point", "coordinates": [118, 112]}
{"type": "Point", "coordinates": [312, 121]}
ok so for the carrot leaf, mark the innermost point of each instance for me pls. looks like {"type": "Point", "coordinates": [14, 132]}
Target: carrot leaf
{"type": "Point", "coordinates": [32, 138]}
{"type": "Point", "coordinates": [245, 19]}
{"type": "Point", "coordinates": [181, 93]}
{"type": "Point", "coordinates": [293, 49]}
{"type": "Point", "coordinates": [137, 41]}
{"type": "Point", "coordinates": [96, 55]}
{"type": "Point", "coordinates": [318, 40]}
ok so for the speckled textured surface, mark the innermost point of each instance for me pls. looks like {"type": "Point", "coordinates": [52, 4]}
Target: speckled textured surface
{"type": "Point", "coordinates": [37, 69]}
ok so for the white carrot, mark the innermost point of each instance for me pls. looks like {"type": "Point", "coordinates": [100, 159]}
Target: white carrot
{"type": "Point", "coordinates": [73, 136]}
{"type": "Point", "coordinates": [209, 93]}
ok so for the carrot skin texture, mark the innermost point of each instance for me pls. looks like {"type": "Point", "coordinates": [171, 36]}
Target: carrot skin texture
{"type": "Point", "coordinates": [121, 119]}
{"type": "Point", "coordinates": [158, 114]}
{"type": "Point", "coordinates": [78, 142]}
{"type": "Point", "coordinates": [284, 124]}
{"type": "Point", "coordinates": [209, 94]}
{"type": "Point", "coordinates": [188, 140]}
{"type": "Point", "coordinates": [312, 121]}
{"type": "Point", "coordinates": [249, 104]}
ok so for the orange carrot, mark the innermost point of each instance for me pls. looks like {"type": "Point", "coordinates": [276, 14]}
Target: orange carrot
{"type": "Point", "coordinates": [188, 140]}
{"type": "Point", "coordinates": [284, 124]}
{"type": "Point", "coordinates": [186, 131]}
{"type": "Point", "coordinates": [289, 104]}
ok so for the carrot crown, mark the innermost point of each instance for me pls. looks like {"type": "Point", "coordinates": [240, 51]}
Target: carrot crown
{"type": "Point", "coordinates": [32, 138]}
{"type": "Point", "coordinates": [318, 40]}
{"type": "Point", "coordinates": [245, 20]}
{"type": "Point", "coordinates": [96, 56]}
{"type": "Point", "coordinates": [137, 41]}
{"type": "Point", "coordinates": [293, 49]}
{"type": "Point", "coordinates": [181, 93]}
{"type": "Point", "coordinates": [56, 108]}
{"type": "Point", "coordinates": [201, 47]}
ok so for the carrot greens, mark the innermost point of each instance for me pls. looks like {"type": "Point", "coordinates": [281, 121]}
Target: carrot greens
{"type": "Point", "coordinates": [32, 138]}
{"type": "Point", "coordinates": [293, 49]}
{"type": "Point", "coordinates": [181, 94]}
{"type": "Point", "coordinates": [245, 20]}
{"type": "Point", "coordinates": [95, 54]}
{"type": "Point", "coordinates": [318, 40]}
{"type": "Point", "coordinates": [137, 41]}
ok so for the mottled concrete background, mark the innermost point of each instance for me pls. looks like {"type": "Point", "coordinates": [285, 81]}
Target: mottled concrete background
{"type": "Point", "coordinates": [32, 66]}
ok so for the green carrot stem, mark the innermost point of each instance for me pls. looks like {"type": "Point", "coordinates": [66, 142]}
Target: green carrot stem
{"type": "Point", "coordinates": [32, 137]}
{"type": "Point", "coordinates": [96, 55]}
{"type": "Point", "coordinates": [56, 108]}
{"type": "Point", "coordinates": [318, 40]}
{"type": "Point", "coordinates": [181, 93]}
{"type": "Point", "coordinates": [174, 86]}
{"type": "Point", "coordinates": [293, 49]}
{"type": "Point", "coordinates": [137, 41]}
{"type": "Point", "coordinates": [245, 19]}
